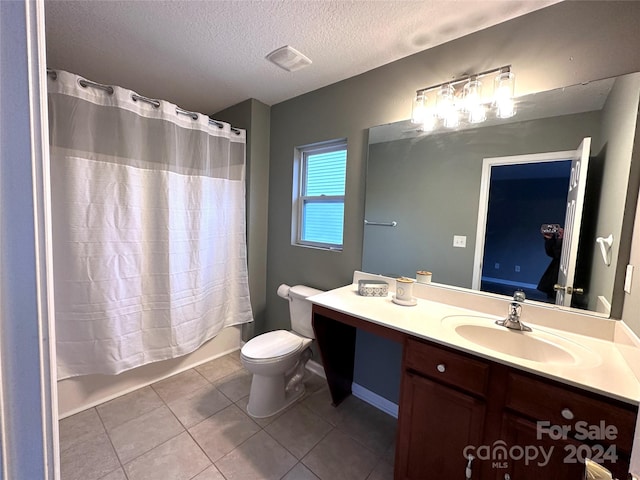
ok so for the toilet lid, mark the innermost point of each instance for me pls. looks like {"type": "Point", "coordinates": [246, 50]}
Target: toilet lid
{"type": "Point", "coordinates": [271, 344]}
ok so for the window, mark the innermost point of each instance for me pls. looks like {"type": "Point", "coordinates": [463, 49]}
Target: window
{"type": "Point", "coordinates": [319, 199]}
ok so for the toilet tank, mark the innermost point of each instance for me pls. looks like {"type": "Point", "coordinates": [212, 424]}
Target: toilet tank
{"type": "Point", "coordinates": [300, 309]}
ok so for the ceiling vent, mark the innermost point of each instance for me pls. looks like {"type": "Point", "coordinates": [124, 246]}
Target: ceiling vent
{"type": "Point", "coordinates": [288, 58]}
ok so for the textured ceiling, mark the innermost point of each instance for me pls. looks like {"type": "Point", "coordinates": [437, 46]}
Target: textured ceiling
{"type": "Point", "coordinates": [209, 55]}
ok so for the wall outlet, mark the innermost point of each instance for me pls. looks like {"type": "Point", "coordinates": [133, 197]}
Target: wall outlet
{"type": "Point", "coordinates": [460, 241]}
{"type": "Point", "coordinates": [517, 268]}
{"type": "Point", "coordinates": [496, 266]}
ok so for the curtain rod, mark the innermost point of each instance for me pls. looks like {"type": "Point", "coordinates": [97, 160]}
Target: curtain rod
{"type": "Point", "coordinates": [135, 97]}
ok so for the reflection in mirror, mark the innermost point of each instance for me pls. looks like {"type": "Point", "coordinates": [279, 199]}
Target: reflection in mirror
{"type": "Point", "coordinates": [470, 205]}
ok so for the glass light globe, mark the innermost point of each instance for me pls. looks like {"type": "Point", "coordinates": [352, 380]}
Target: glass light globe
{"type": "Point", "coordinates": [445, 101]}
{"type": "Point", "coordinates": [503, 95]}
{"type": "Point", "coordinates": [418, 109]}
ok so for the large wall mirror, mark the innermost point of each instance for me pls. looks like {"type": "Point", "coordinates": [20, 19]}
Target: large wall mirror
{"type": "Point", "coordinates": [490, 188]}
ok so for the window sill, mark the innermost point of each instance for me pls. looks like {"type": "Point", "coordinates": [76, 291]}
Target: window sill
{"type": "Point", "coordinates": [319, 247]}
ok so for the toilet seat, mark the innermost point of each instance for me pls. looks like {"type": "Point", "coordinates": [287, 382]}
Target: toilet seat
{"type": "Point", "coordinates": [271, 345]}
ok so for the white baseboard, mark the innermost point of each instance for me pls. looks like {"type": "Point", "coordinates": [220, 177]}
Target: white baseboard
{"type": "Point", "coordinates": [315, 367]}
{"type": "Point", "coordinates": [511, 283]}
{"type": "Point", "coordinates": [374, 399]}
{"type": "Point", "coordinates": [360, 392]}
{"type": "Point", "coordinates": [603, 305]}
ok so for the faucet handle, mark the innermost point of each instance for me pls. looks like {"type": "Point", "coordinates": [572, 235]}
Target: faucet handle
{"type": "Point", "coordinates": [519, 296]}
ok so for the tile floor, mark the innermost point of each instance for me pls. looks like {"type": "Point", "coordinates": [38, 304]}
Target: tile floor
{"type": "Point", "coordinates": [193, 426]}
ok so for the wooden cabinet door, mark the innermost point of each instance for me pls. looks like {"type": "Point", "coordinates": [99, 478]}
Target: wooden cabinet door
{"type": "Point", "coordinates": [601, 429]}
{"type": "Point", "coordinates": [556, 463]}
{"type": "Point", "coordinates": [435, 426]}
{"type": "Point", "coordinates": [566, 457]}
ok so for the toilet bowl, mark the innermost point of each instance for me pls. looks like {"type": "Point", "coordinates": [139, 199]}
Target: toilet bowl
{"type": "Point", "coordinates": [277, 359]}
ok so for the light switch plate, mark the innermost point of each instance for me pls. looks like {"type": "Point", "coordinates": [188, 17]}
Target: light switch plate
{"type": "Point", "coordinates": [460, 241]}
{"type": "Point", "coordinates": [627, 279]}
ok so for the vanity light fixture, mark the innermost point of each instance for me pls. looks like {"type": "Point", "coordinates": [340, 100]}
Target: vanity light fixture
{"type": "Point", "coordinates": [448, 103]}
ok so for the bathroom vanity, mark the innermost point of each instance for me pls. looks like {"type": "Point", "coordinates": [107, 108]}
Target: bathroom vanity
{"type": "Point", "coordinates": [502, 404]}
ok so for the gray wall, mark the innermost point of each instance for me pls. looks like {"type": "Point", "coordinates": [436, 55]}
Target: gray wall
{"type": "Point", "coordinates": [632, 301]}
{"type": "Point", "coordinates": [618, 128]}
{"type": "Point", "coordinates": [430, 185]}
{"type": "Point", "coordinates": [560, 45]}
{"type": "Point", "coordinates": [254, 116]}
{"type": "Point", "coordinates": [557, 46]}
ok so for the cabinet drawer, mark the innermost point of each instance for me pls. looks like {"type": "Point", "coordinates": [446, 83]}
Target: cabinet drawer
{"type": "Point", "coordinates": [563, 407]}
{"type": "Point", "coordinates": [447, 367]}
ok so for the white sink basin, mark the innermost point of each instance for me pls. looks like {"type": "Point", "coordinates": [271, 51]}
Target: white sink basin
{"type": "Point", "coordinates": [537, 346]}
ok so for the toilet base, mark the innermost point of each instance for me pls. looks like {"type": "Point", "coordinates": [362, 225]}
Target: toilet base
{"type": "Point", "coordinates": [270, 394]}
{"type": "Point", "coordinates": [258, 408]}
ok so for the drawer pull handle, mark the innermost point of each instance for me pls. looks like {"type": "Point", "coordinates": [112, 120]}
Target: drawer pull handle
{"type": "Point", "coordinates": [441, 367]}
{"type": "Point", "coordinates": [567, 414]}
{"type": "Point", "coordinates": [467, 471]}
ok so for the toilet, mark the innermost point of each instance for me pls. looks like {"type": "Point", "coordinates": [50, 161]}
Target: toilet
{"type": "Point", "coordinates": [277, 359]}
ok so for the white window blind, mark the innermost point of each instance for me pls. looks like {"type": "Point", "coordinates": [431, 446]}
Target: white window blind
{"type": "Point", "coordinates": [321, 200]}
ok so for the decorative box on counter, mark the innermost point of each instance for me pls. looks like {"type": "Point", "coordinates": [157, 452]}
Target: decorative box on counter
{"type": "Point", "coordinates": [373, 288]}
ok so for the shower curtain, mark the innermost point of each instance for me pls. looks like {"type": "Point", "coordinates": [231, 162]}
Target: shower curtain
{"type": "Point", "coordinates": [149, 242]}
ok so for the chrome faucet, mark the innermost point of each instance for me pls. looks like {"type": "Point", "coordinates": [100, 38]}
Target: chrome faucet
{"type": "Point", "coordinates": [515, 309]}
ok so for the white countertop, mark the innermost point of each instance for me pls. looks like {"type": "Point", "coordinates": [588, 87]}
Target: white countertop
{"type": "Point", "coordinates": [606, 371]}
